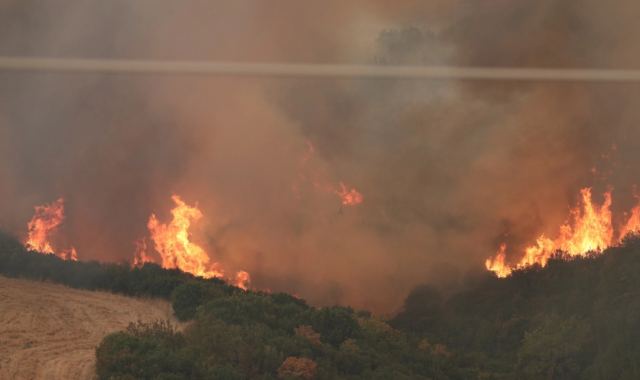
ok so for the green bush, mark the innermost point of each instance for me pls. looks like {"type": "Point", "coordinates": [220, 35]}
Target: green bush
{"type": "Point", "coordinates": [335, 325]}
{"type": "Point", "coordinates": [186, 298]}
{"type": "Point", "coordinates": [143, 352]}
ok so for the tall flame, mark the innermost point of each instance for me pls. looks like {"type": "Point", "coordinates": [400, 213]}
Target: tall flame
{"type": "Point", "coordinates": [45, 221]}
{"type": "Point", "coordinates": [172, 242]}
{"type": "Point", "coordinates": [591, 230]}
{"type": "Point", "coordinates": [498, 263]}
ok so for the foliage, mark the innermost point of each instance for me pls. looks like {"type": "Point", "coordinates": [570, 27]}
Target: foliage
{"type": "Point", "coordinates": [143, 352]}
{"type": "Point", "coordinates": [577, 319]}
{"type": "Point", "coordinates": [149, 280]}
{"type": "Point", "coordinates": [573, 319]}
{"type": "Point", "coordinates": [234, 334]}
{"type": "Point", "coordinates": [297, 368]}
{"type": "Point", "coordinates": [187, 297]}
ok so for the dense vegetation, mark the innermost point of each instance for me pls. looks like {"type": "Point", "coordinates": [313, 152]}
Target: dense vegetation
{"type": "Point", "coordinates": [236, 334]}
{"type": "Point", "coordinates": [576, 319]}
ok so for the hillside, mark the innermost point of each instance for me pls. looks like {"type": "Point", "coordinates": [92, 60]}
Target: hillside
{"type": "Point", "coordinates": [49, 331]}
{"type": "Point", "coordinates": [574, 319]}
{"type": "Point", "coordinates": [232, 334]}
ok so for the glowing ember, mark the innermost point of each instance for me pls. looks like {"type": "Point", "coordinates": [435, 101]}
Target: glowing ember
{"type": "Point", "coordinates": [349, 197]}
{"type": "Point", "coordinates": [242, 280]}
{"type": "Point", "coordinates": [45, 222]}
{"type": "Point", "coordinates": [591, 231]}
{"type": "Point", "coordinates": [172, 242]}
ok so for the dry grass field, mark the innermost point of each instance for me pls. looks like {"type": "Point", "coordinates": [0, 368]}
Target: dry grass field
{"type": "Point", "coordinates": [49, 331]}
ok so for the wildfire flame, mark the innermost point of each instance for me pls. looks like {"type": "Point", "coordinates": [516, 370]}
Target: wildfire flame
{"type": "Point", "coordinates": [141, 257]}
{"type": "Point", "coordinates": [633, 223]}
{"type": "Point", "coordinates": [45, 221]}
{"type": "Point", "coordinates": [590, 231]}
{"type": "Point", "coordinates": [498, 264]}
{"type": "Point", "coordinates": [242, 280]}
{"type": "Point", "coordinates": [69, 254]}
{"type": "Point", "coordinates": [349, 197]}
{"type": "Point", "coordinates": [172, 242]}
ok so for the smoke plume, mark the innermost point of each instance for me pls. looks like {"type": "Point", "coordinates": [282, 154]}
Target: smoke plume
{"type": "Point", "coordinates": [448, 169]}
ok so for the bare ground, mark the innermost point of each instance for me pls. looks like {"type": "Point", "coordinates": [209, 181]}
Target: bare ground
{"type": "Point", "coordinates": [49, 331]}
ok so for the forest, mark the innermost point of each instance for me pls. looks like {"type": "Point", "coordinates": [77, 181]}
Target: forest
{"type": "Point", "coordinates": [576, 318]}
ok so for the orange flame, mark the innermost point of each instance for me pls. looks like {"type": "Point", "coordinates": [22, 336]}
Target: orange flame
{"type": "Point", "coordinates": [633, 223]}
{"type": "Point", "coordinates": [349, 197]}
{"type": "Point", "coordinates": [242, 280]}
{"type": "Point", "coordinates": [69, 254]}
{"type": "Point", "coordinates": [45, 221]}
{"type": "Point", "coordinates": [591, 231]}
{"type": "Point", "coordinates": [141, 257]}
{"type": "Point", "coordinates": [498, 264]}
{"type": "Point", "coordinates": [172, 242]}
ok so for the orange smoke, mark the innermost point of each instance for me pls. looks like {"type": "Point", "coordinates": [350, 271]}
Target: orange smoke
{"type": "Point", "coordinates": [590, 231]}
{"type": "Point", "coordinates": [43, 224]}
{"type": "Point", "coordinates": [348, 196]}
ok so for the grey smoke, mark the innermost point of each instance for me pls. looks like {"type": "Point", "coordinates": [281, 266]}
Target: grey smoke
{"type": "Point", "coordinates": [448, 168]}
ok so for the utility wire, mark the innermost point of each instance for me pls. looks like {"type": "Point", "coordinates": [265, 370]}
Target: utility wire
{"type": "Point", "coordinates": [128, 66]}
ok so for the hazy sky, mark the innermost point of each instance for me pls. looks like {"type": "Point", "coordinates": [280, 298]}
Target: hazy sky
{"type": "Point", "coordinates": [448, 169]}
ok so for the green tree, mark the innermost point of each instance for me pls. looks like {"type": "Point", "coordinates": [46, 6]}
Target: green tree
{"type": "Point", "coordinates": [555, 349]}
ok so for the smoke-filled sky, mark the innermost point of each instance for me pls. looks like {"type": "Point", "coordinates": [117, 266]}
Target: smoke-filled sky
{"type": "Point", "coordinates": [448, 169]}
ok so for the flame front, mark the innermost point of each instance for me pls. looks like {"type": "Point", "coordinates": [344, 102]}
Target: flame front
{"type": "Point", "coordinates": [172, 242]}
{"type": "Point", "coordinates": [43, 224]}
{"type": "Point", "coordinates": [591, 230]}
{"type": "Point", "coordinates": [498, 263]}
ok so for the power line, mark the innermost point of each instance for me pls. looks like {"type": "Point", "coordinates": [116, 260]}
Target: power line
{"type": "Point", "coordinates": [128, 66]}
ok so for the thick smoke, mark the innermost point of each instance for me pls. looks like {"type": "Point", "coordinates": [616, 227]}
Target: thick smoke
{"type": "Point", "coordinates": [448, 169]}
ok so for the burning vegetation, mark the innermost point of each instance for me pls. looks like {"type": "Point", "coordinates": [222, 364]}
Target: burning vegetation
{"type": "Point", "coordinates": [349, 196]}
{"type": "Point", "coordinates": [44, 223]}
{"type": "Point", "coordinates": [590, 231]}
{"type": "Point", "coordinates": [172, 241]}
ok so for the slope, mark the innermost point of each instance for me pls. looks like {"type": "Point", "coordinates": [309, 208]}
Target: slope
{"type": "Point", "coordinates": [49, 331]}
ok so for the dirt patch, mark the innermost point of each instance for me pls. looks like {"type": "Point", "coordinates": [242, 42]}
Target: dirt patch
{"type": "Point", "coordinates": [49, 331]}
